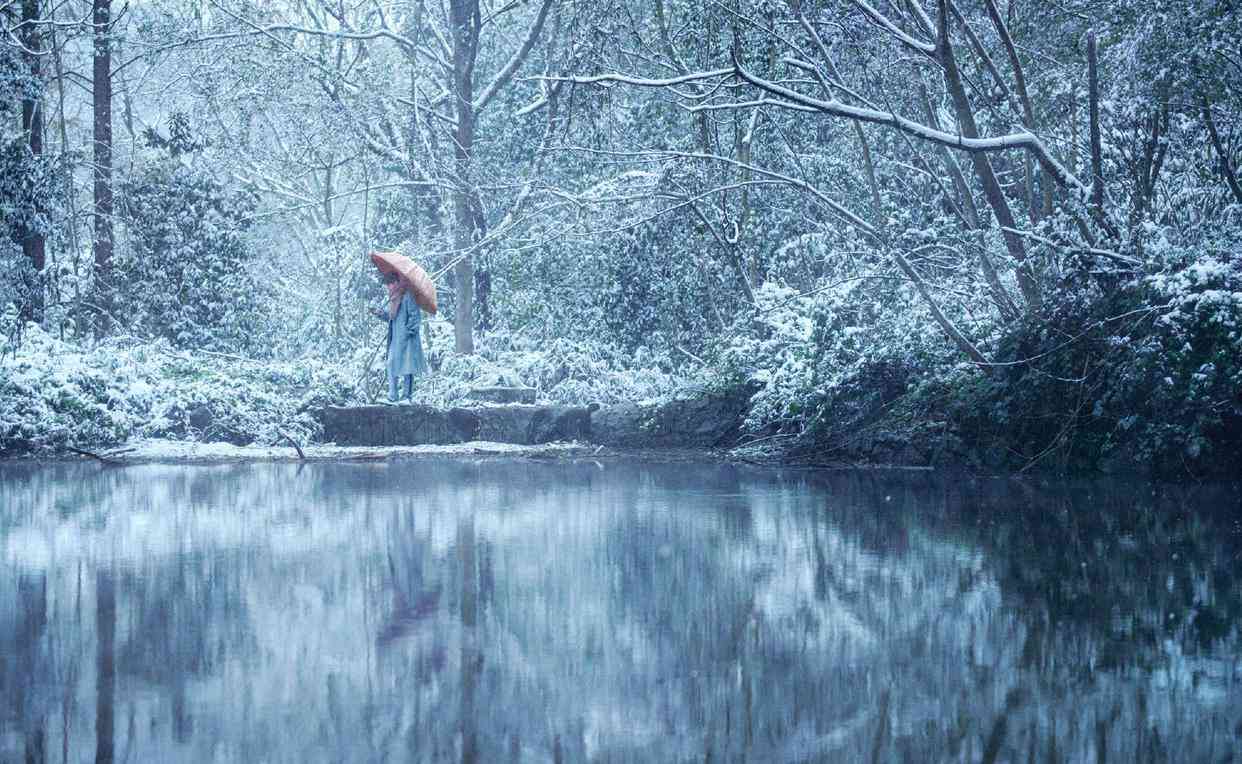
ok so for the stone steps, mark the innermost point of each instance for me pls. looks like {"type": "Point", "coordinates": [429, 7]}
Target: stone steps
{"type": "Point", "coordinates": [712, 421]}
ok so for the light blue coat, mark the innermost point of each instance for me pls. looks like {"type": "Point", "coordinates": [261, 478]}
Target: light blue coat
{"type": "Point", "coordinates": [405, 347]}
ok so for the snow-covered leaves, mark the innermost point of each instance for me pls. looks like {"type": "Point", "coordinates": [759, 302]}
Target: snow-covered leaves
{"type": "Point", "coordinates": [55, 394]}
{"type": "Point", "coordinates": [186, 276]}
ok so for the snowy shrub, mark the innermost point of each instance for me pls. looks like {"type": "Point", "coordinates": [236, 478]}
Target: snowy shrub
{"type": "Point", "coordinates": [649, 287]}
{"type": "Point", "coordinates": [1180, 393]}
{"type": "Point", "coordinates": [479, 371]}
{"type": "Point", "coordinates": [186, 275]}
{"type": "Point", "coordinates": [821, 360]}
{"type": "Point", "coordinates": [564, 372]}
{"type": "Point", "coordinates": [580, 373]}
{"type": "Point", "coordinates": [51, 397]}
{"type": "Point", "coordinates": [1143, 373]}
{"type": "Point", "coordinates": [10, 323]}
{"type": "Point", "coordinates": [28, 183]}
{"type": "Point", "coordinates": [773, 346]}
{"type": "Point", "coordinates": [320, 304]}
{"type": "Point", "coordinates": [54, 394]}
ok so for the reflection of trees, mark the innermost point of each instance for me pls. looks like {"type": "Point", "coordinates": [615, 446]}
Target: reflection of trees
{"type": "Point", "coordinates": [1116, 629]}
{"type": "Point", "coordinates": [471, 650]}
{"type": "Point", "coordinates": [897, 618]}
{"type": "Point", "coordinates": [623, 613]}
{"type": "Point", "coordinates": [762, 635]}
{"type": "Point", "coordinates": [187, 616]}
{"type": "Point", "coordinates": [1129, 600]}
{"type": "Point", "coordinates": [460, 678]}
{"type": "Point", "coordinates": [1127, 563]}
{"type": "Point", "coordinates": [105, 666]}
{"type": "Point", "coordinates": [24, 659]}
{"type": "Point", "coordinates": [863, 619]}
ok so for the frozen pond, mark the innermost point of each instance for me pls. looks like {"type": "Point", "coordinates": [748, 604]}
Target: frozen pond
{"type": "Point", "coordinates": [506, 610]}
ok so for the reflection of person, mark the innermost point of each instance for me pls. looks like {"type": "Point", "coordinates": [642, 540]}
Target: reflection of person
{"type": "Point", "coordinates": [405, 348]}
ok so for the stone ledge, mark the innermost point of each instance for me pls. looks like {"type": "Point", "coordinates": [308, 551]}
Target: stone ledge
{"type": "Point", "coordinates": [417, 425]}
{"type": "Point", "coordinates": [711, 421]}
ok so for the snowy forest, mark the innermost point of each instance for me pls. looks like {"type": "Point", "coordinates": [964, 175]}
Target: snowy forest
{"type": "Point", "coordinates": [998, 234]}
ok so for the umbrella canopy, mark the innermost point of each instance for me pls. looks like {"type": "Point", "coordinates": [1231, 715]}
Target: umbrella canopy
{"type": "Point", "coordinates": [411, 274]}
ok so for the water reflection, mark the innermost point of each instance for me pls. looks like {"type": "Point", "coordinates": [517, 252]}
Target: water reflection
{"type": "Point", "coordinates": [510, 611]}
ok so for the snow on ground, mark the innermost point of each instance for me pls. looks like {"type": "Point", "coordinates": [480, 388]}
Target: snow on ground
{"type": "Point", "coordinates": [162, 450]}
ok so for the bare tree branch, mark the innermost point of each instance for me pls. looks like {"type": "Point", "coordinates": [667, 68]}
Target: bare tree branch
{"type": "Point", "coordinates": [1022, 139]}
{"type": "Point", "coordinates": [1002, 29]}
{"type": "Point", "coordinates": [1225, 166]}
{"type": "Point", "coordinates": [506, 74]}
{"type": "Point", "coordinates": [644, 82]}
{"type": "Point", "coordinates": [920, 46]}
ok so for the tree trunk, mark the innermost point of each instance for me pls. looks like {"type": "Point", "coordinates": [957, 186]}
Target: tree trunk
{"type": "Point", "coordinates": [33, 241]}
{"type": "Point", "coordinates": [970, 216]}
{"type": "Point", "coordinates": [464, 15]}
{"type": "Point", "coordinates": [69, 191]}
{"type": "Point", "coordinates": [1097, 154]}
{"type": "Point", "coordinates": [1225, 167]}
{"type": "Point", "coordinates": [992, 190]}
{"type": "Point", "coordinates": [32, 610]}
{"type": "Point", "coordinates": [483, 291]}
{"type": "Point", "coordinates": [102, 97]}
{"type": "Point", "coordinates": [1146, 168]}
{"type": "Point", "coordinates": [482, 271]}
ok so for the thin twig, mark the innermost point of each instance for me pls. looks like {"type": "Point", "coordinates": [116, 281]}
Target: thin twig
{"type": "Point", "coordinates": [691, 355]}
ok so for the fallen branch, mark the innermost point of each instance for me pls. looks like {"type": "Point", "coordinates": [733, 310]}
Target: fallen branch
{"type": "Point", "coordinates": [292, 442]}
{"type": "Point", "coordinates": [93, 455]}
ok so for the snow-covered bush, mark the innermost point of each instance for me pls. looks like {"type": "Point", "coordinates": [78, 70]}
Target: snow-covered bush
{"type": "Point", "coordinates": [27, 182]}
{"type": "Point", "coordinates": [51, 396]}
{"type": "Point", "coordinates": [1142, 373]}
{"type": "Point", "coordinates": [648, 287]}
{"type": "Point", "coordinates": [185, 275]}
{"type": "Point", "coordinates": [821, 360]}
{"type": "Point", "coordinates": [1178, 395]}
{"type": "Point", "coordinates": [54, 394]}
{"type": "Point", "coordinates": [774, 345]}
{"type": "Point", "coordinates": [578, 373]}
{"type": "Point", "coordinates": [10, 323]}
{"type": "Point", "coordinates": [563, 371]}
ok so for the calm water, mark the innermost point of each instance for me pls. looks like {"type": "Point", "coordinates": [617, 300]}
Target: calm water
{"type": "Point", "coordinates": [513, 611]}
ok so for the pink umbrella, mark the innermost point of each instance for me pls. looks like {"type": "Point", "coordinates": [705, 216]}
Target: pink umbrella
{"type": "Point", "coordinates": [411, 274]}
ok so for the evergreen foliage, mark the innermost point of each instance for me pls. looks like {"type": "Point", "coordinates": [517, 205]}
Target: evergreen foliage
{"type": "Point", "coordinates": [187, 276]}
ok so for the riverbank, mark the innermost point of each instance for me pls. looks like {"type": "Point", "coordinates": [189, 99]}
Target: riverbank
{"type": "Point", "coordinates": [161, 451]}
{"type": "Point", "coordinates": [58, 396]}
{"type": "Point", "coordinates": [710, 427]}
{"type": "Point", "coordinates": [171, 452]}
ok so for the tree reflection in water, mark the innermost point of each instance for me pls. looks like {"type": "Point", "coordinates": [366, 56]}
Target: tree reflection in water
{"type": "Point", "coordinates": [512, 611]}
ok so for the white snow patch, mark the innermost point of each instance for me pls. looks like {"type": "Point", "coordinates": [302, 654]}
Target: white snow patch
{"type": "Point", "coordinates": [161, 450]}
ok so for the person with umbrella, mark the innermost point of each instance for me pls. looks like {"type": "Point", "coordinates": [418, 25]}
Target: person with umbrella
{"type": "Point", "coordinates": [408, 286]}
